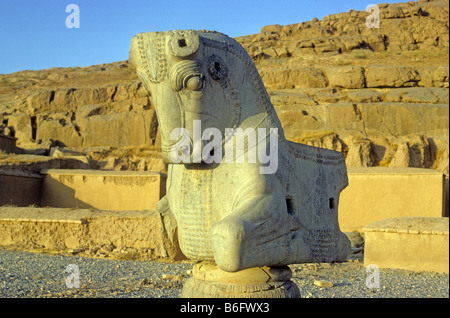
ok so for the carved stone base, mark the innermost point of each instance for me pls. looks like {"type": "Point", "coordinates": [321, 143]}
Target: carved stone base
{"type": "Point", "coordinates": [209, 281]}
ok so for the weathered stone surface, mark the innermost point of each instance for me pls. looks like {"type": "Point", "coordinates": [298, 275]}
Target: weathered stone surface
{"type": "Point", "coordinates": [21, 124]}
{"type": "Point", "coordinates": [391, 242]}
{"type": "Point", "coordinates": [61, 125]}
{"type": "Point", "coordinates": [360, 154]}
{"type": "Point", "coordinates": [121, 191]}
{"type": "Point", "coordinates": [257, 220]}
{"type": "Point", "coordinates": [327, 74]}
{"type": "Point", "coordinates": [440, 77]}
{"type": "Point", "coordinates": [116, 129]}
{"type": "Point", "coordinates": [378, 193]}
{"type": "Point", "coordinates": [391, 76]}
{"type": "Point", "coordinates": [66, 107]}
{"type": "Point", "coordinates": [7, 144]}
{"type": "Point", "coordinates": [290, 78]}
{"type": "Point", "coordinates": [32, 163]}
{"type": "Point", "coordinates": [401, 157]}
{"type": "Point", "coordinates": [346, 77]}
{"type": "Point", "coordinates": [85, 232]}
{"type": "Point", "coordinates": [19, 188]}
{"type": "Point", "coordinates": [40, 101]}
{"type": "Point", "coordinates": [209, 281]}
{"type": "Point", "coordinates": [365, 96]}
{"type": "Point", "coordinates": [404, 26]}
{"type": "Point", "coordinates": [323, 283]}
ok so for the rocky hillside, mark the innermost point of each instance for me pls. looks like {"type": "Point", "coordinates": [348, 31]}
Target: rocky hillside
{"type": "Point", "coordinates": [378, 95]}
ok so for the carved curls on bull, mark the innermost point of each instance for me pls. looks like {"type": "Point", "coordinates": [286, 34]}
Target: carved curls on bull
{"type": "Point", "coordinates": [187, 74]}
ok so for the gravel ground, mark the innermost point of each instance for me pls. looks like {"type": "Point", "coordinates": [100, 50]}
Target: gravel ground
{"type": "Point", "coordinates": [30, 275]}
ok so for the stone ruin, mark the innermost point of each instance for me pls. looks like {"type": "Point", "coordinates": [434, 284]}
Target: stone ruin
{"type": "Point", "coordinates": [244, 225]}
{"type": "Point", "coordinates": [399, 107]}
{"type": "Point", "coordinates": [7, 140]}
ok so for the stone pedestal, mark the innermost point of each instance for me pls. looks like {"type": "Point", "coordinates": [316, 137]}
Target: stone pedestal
{"type": "Point", "coordinates": [209, 281]}
{"type": "Point", "coordinates": [411, 243]}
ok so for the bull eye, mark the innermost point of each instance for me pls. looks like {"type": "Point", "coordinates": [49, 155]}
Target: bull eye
{"type": "Point", "coordinates": [187, 74]}
{"type": "Point", "coordinates": [194, 83]}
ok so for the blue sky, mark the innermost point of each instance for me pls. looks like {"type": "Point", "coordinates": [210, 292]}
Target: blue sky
{"type": "Point", "coordinates": [33, 33]}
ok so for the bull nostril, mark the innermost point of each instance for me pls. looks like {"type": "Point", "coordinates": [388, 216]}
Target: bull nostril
{"type": "Point", "coordinates": [182, 43]}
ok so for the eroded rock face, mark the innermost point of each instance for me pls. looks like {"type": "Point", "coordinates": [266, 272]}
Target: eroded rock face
{"type": "Point", "coordinates": [403, 27]}
{"type": "Point", "coordinates": [379, 73]}
{"type": "Point", "coordinates": [236, 213]}
{"type": "Point", "coordinates": [329, 76]}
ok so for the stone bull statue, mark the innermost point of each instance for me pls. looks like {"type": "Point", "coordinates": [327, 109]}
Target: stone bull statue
{"type": "Point", "coordinates": [235, 208]}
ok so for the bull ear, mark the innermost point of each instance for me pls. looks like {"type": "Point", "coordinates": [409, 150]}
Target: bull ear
{"type": "Point", "coordinates": [135, 61]}
{"type": "Point", "coordinates": [147, 56]}
{"type": "Point", "coordinates": [133, 56]}
{"type": "Point", "coordinates": [183, 43]}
